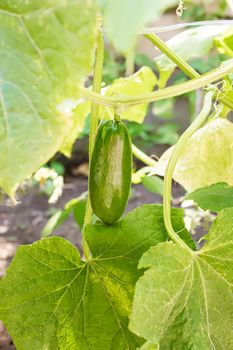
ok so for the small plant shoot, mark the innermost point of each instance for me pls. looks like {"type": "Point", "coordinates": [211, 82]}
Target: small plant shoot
{"type": "Point", "coordinates": [140, 280]}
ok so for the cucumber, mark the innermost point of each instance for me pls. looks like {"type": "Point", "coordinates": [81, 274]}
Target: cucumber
{"type": "Point", "coordinates": [110, 171]}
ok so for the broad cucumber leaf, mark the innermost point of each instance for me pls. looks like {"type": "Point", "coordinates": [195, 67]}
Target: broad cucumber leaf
{"type": "Point", "coordinates": [123, 19]}
{"type": "Point", "coordinates": [45, 49]}
{"type": "Point", "coordinates": [51, 299]}
{"type": "Point", "coordinates": [201, 40]}
{"type": "Point", "coordinates": [141, 82]}
{"type": "Point", "coordinates": [215, 197]}
{"type": "Point", "coordinates": [207, 158]}
{"type": "Point", "coordinates": [185, 299]}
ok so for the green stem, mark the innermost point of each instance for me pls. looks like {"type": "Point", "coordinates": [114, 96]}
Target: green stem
{"type": "Point", "coordinates": [143, 157]}
{"type": "Point", "coordinates": [167, 92]}
{"type": "Point", "coordinates": [181, 144]}
{"type": "Point", "coordinates": [180, 62]}
{"type": "Point", "coordinates": [97, 80]}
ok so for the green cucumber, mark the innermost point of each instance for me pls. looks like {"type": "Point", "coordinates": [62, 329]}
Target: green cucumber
{"type": "Point", "coordinates": [110, 171]}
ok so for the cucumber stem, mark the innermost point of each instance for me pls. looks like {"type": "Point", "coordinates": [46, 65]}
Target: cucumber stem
{"type": "Point", "coordinates": [97, 80]}
{"type": "Point", "coordinates": [178, 60]}
{"type": "Point", "coordinates": [181, 144]}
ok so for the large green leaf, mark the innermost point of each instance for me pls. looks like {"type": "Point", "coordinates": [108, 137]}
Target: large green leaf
{"type": "Point", "coordinates": [185, 299]}
{"type": "Point", "coordinates": [46, 47]}
{"type": "Point", "coordinates": [50, 299]}
{"type": "Point", "coordinates": [206, 159]}
{"type": "Point", "coordinates": [124, 19]}
{"type": "Point", "coordinates": [215, 197]}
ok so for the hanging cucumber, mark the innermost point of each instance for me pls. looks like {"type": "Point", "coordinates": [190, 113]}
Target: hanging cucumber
{"type": "Point", "coordinates": [110, 171]}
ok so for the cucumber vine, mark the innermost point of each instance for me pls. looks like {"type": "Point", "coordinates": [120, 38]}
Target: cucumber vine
{"type": "Point", "coordinates": [181, 144]}
{"type": "Point", "coordinates": [171, 91]}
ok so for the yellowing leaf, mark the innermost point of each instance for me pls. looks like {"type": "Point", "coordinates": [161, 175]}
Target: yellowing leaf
{"type": "Point", "coordinates": [46, 48]}
{"type": "Point", "coordinates": [206, 159]}
{"type": "Point", "coordinates": [185, 299]}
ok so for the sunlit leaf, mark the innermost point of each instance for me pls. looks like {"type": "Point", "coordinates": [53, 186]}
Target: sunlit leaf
{"type": "Point", "coordinates": [185, 300]}
{"type": "Point", "coordinates": [51, 299]}
{"type": "Point", "coordinates": [46, 47]}
{"type": "Point", "coordinates": [206, 159]}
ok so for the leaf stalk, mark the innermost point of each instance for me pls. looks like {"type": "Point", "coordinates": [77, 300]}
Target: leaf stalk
{"type": "Point", "coordinates": [181, 144]}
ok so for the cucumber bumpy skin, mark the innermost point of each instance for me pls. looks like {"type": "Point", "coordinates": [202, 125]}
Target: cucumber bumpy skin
{"type": "Point", "coordinates": [110, 171]}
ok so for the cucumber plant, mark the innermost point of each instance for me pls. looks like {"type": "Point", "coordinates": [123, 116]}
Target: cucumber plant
{"type": "Point", "coordinates": [141, 283]}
